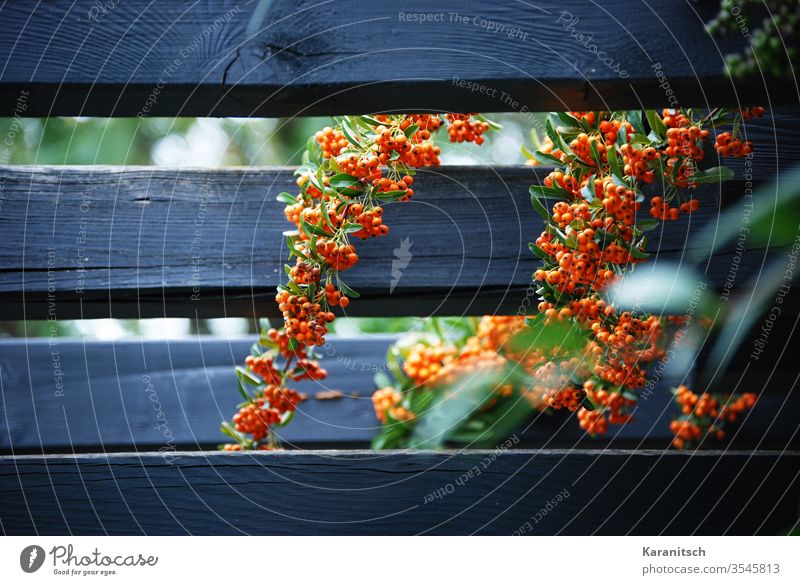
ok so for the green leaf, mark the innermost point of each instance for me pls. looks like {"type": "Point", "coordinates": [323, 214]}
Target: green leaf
{"type": "Point", "coordinates": [326, 219]}
{"type": "Point", "coordinates": [713, 175]}
{"type": "Point", "coordinates": [547, 159]}
{"type": "Point", "coordinates": [313, 229]}
{"type": "Point", "coordinates": [613, 160]}
{"type": "Point", "coordinates": [527, 153]}
{"type": "Point", "coordinates": [286, 198]}
{"type": "Point", "coordinates": [646, 225]}
{"type": "Point", "coordinates": [492, 124]}
{"type": "Point", "coordinates": [634, 251]}
{"type": "Point", "coordinates": [544, 191]}
{"type": "Point", "coordinates": [595, 153]}
{"type": "Point", "coordinates": [410, 131]}
{"type": "Point", "coordinates": [635, 118]}
{"type": "Point", "coordinates": [371, 121]}
{"type": "Point", "coordinates": [290, 240]}
{"type": "Point", "coordinates": [619, 181]}
{"type": "Point", "coordinates": [313, 178]}
{"type": "Point", "coordinates": [390, 437]}
{"type": "Point", "coordinates": [226, 429]}
{"type": "Point", "coordinates": [538, 206]}
{"type": "Point", "coordinates": [245, 376]}
{"type": "Point", "coordinates": [345, 181]}
{"type": "Point", "coordinates": [393, 363]}
{"type": "Point", "coordinates": [242, 391]}
{"type": "Point", "coordinates": [539, 252]}
{"type": "Point", "coordinates": [349, 133]}
{"type": "Point", "coordinates": [588, 190]}
{"type": "Point", "coordinates": [554, 136]}
{"type": "Point", "coordinates": [351, 228]}
{"type": "Point", "coordinates": [346, 290]}
{"type": "Point", "coordinates": [390, 195]}
{"type": "Point", "coordinates": [569, 120]}
{"type": "Point", "coordinates": [566, 338]}
{"type": "Point", "coordinates": [656, 124]}
{"type": "Point", "coordinates": [622, 137]}
{"type": "Point", "coordinates": [313, 151]}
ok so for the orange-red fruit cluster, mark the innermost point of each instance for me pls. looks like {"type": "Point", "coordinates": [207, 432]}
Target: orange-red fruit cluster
{"type": "Point", "coordinates": [727, 145]}
{"type": "Point", "coordinates": [463, 129]}
{"type": "Point", "coordinates": [331, 141]}
{"type": "Point", "coordinates": [304, 320]}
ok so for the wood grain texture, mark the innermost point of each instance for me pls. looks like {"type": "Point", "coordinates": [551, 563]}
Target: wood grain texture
{"type": "Point", "coordinates": [73, 396]}
{"type": "Point", "coordinates": [147, 242]}
{"type": "Point", "coordinates": [362, 492]}
{"type": "Point", "coordinates": [305, 57]}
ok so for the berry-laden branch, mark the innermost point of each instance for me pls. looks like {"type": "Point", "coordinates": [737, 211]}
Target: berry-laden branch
{"type": "Point", "coordinates": [349, 172]}
{"type": "Point", "coordinates": [592, 236]}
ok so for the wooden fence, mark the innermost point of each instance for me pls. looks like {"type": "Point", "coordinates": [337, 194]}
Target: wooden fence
{"type": "Point", "coordinates": [80, 422]}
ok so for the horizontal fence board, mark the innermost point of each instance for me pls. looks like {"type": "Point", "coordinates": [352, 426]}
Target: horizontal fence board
{"type": "Point", "coordinates": [149, 242]}
{"type": "Point", "coordinates": [302, 57]}
{"type": "Point", "coordinates": [67, 395]}
{"type": "Point", "coordinates": [352, 492]}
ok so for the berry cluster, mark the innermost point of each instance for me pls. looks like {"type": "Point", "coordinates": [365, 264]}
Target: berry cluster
{"type": "Point", "coordinates": [727, 145]}
{"type": "Point", "coordinates": [271, 403]}
{"type": "Point", "coordinates": [351, 171]}
{"type": "Point", "coordinates": [705, 416]}
{"type": "Point", "coordinates": [594, 235]}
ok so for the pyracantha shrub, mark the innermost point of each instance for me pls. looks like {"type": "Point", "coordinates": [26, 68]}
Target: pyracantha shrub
{"type": "Point", "coordinates": [350, 171]}
{"type": "Point", "coordinates": [593, 205]}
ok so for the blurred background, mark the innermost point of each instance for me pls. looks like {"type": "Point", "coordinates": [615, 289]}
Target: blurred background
{"type": "Point", "coordinates": [215, 142]}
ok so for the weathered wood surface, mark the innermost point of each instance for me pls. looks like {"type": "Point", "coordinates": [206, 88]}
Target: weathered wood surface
{"type": "Point", "coordinates": [302, 57]}
{"type": "Point", "coordinates": [361, 492]}
{"type": "Point", "coordinates": [141, 242]}
{"type": "Point", "coordinates": [74, 396]}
